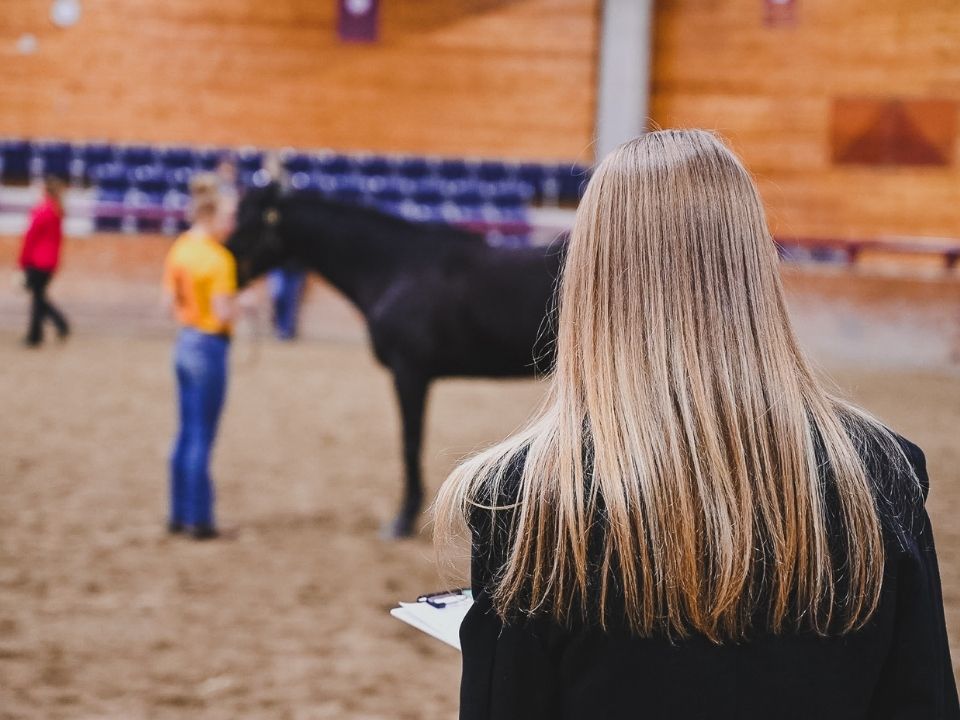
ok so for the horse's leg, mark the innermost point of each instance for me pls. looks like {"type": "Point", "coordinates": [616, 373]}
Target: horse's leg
{"type": "Point", "coordinates": [411, 390]}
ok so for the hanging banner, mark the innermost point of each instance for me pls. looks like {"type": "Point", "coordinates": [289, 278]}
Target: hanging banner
{"type": "Point", "coordinates": [779, 13]}
{"type": "Point", "coordinates": [358, 20]}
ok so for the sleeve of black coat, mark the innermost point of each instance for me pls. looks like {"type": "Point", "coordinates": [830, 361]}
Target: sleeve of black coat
{"type": "Point", "coordinates": [508, 671]}
{"type": "Point", "coordinates": [918, 679]}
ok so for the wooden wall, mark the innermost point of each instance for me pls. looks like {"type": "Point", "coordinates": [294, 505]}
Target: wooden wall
{"type": "Point", "coordinates": [507, 78]}
{"type": "Point", "coordinates": [770, 91]}
{"type": "Point", "coordinates": [501, 78]}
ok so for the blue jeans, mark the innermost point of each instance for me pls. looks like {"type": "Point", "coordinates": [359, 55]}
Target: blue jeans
{"type": "Point", "coordinates": [286, 288]}
{"type": "Point", "coordinates": [200, 361]}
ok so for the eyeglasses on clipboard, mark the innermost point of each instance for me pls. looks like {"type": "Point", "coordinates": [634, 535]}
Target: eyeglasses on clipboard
{"type": "Point", "coordinates": [446, 598]}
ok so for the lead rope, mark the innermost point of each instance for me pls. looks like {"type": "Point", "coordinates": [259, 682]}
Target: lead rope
{"type": "Point", "coordinates": [250, 324]}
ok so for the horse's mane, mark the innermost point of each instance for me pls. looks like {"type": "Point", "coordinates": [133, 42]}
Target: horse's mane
{"type": "Point", "coordinates": [379, 223]}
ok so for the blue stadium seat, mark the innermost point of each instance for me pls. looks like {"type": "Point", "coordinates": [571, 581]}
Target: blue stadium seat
{"type": "Point", "coordinates": [333, 164]}
{"type": "Point", "coordinates": [432, 214]}
{"type": "Point", "coordinates": [429, 195]}
{"type": "Point", "coordinates": [301, 181]}
{"type": "Point", "coordinates": [374, 166]}
{"type": "Point", "coordinates": [113, 179]}
{"type": "Point", "coordinates": [445, 188]}
{"type": "Point", "coordinates": [113, 184]}
{"type": "Point", "coordinates": [392, 190]}
{"type": "Point", "coordinates": [469, 196]}
{"type": "Point", "coordinates": [414, 168]}
{"type": "Point", "coordinates": [255, 178]}
{"type": "Point", "coordinates": [572, 180]}
{"type": "Point", "coordinates": [249, 164]}
{"type": "Point", "coordinates": [453, 170]}
{"type": "Point", "coordinates": [492, 214]}
{"type": "Point", "coordinates": [134, 156]}
{"type": "Point", "coordinates": [352, 190]}
{"type": "Point", "coordinates": [54, 158]}
{"type": "Point", "coordinates": [91, 157]}
{"type": "Point", "coordinates": [492, 171]}
{"type": "Point", "coordinates": [297, 162]}
{"type": "Point", "coordinates": [15, 156]}
{"type": "Point", "coordinates": [178, 179]}
{"type": "Point", "coordinates": [452, 213]}
{"type": "Point", "coordinates": [471, 203]}
{"type": "Point", "coordinates": [249, 160]}
{"type": "Point", "coordinates": [322, 183]}
{"type": "Point", "coordinates": [208, 158]}
{"type": "Point", "coordinates": [151, 181]}
{"type": "Point", "coordinates": [173, 158]}
{"type": "Point", "coordinates": [151, 187]}
{"type": "Point", "coordinates": [534, 175]}
{"type": "Point", "coordinates": [511, 195]}
{"type": "Point", "coordinates": [415, 212]}
{"type": "Point", "coordinates": [490, 189]}
{"type": "Point", "coordinates": [515, 215]}
{"type": "Point", "coordinates": [433, 163]}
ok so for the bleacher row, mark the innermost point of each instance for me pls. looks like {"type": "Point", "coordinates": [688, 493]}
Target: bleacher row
{"type": "Point", "coordinates": [144, 188]}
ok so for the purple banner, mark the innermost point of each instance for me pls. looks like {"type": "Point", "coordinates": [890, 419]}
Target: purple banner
{"type": "Point", "coordinates": [358, 20]}
{"type": "Point", "coordinates": [779, 13]}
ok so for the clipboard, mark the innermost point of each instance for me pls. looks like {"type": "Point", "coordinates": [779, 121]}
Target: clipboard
{"type": "Point", "coordinates": [438, 614]}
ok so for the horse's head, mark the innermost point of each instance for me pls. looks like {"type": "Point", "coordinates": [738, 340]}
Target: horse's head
{"type": "Point", "coordinates": [257, 241]}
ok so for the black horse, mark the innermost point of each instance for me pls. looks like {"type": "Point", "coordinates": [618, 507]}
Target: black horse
{"type": "Point", "coordinates": [438, 301]}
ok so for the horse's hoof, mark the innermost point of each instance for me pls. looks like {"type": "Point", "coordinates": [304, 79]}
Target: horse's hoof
{"type": "Point", "coordinates": [399, 528]}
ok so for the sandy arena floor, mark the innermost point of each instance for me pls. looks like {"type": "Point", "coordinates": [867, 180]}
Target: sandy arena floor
{"type": "Point", "coordinates": [103, 616]}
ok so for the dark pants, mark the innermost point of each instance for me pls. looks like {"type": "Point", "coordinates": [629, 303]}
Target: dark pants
{"type": "Point", "coordinates": [200, 361]}
{"type": "Point", "coordinates": [286, 289]}
{"type": "Point", "coordinates": [41, 308]}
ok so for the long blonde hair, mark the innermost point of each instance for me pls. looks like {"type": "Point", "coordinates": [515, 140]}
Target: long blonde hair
{"type": "Point", "coordinates": [687, 469]}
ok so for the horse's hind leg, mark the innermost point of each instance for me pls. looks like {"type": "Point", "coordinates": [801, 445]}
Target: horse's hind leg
{"type": "Point", "coordinates": [411, 390]}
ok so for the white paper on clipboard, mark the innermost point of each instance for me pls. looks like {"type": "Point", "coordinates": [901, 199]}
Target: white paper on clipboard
{"type": "Point", "coordinates": [443, 623]}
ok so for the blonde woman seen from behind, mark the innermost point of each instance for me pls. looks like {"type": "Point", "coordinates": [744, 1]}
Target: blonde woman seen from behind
{"type": "Point", "coordinates": [693, 526]}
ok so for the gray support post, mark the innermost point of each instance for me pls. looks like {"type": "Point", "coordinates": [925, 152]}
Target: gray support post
{"type": "Point", "coordinates": [623, 77]}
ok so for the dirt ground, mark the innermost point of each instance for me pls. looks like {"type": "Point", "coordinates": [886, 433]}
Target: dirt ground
{"type": "Point", "coordinates": [104, 616]}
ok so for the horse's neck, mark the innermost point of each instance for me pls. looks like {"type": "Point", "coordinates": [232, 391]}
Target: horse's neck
{"type": "Point", "coordinates": [357, 266]}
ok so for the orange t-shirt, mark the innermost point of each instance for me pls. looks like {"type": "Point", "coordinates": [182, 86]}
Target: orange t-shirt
{"type": "Point", "coordinates": [197, 269]}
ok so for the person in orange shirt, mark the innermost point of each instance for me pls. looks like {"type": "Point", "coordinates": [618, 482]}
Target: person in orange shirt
{"type": "Point", "coordinates": [39, 259]}
{"type": "Point", "coordinates": [200, 283]}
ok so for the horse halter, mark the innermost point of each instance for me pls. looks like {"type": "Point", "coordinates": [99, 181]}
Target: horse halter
{"type": "Point", "coordinates": [269, 237]}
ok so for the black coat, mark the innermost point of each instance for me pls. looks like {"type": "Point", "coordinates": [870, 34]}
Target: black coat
{"type": "Point", "coordinates": [897, 666]}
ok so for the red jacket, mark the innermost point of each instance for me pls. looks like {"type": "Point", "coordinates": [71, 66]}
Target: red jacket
{"type": "Point", "coordinates": [41, 244]}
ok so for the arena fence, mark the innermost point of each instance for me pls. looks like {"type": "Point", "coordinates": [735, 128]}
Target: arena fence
{"type": "Point", "coordinates": [141, 188]}
{"type": "Point", "coordinates": [850, 251]}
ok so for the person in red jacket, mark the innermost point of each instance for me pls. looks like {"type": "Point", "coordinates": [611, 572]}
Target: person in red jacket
{"type": "Point", "coordinates": [39, 258]}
